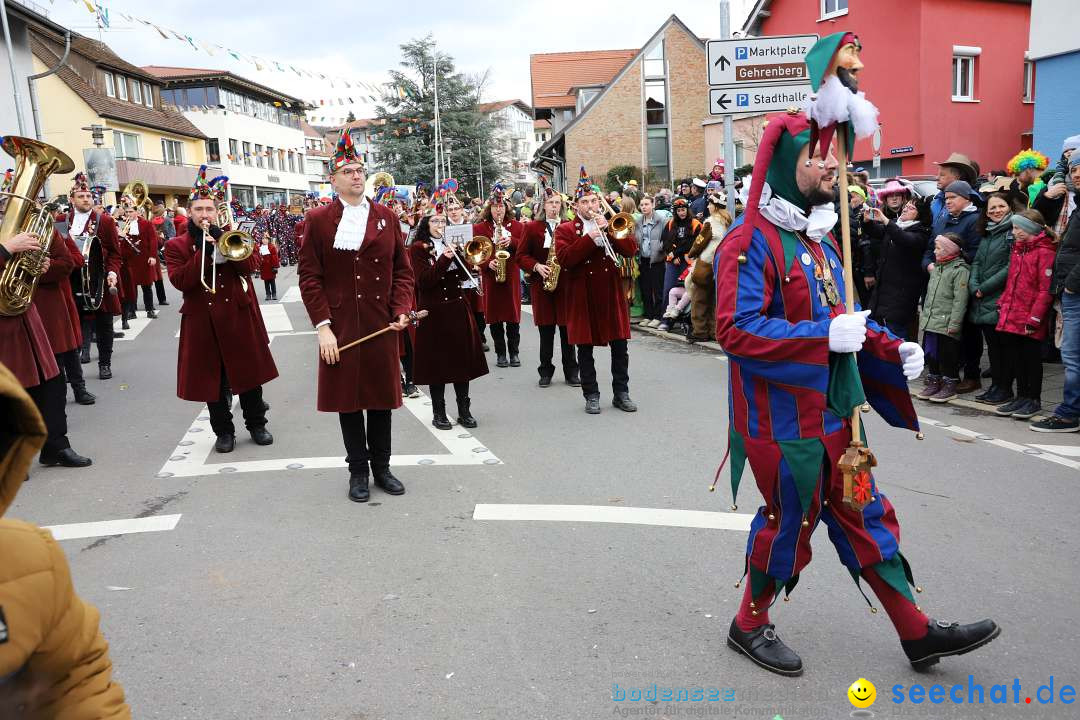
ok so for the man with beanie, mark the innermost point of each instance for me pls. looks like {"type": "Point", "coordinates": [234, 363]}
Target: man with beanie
{"type": "Point", "coordinates": [793, 382]}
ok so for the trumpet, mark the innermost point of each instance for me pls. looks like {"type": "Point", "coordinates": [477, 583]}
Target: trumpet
{"type": "Point", "coordinates": [234, 245]}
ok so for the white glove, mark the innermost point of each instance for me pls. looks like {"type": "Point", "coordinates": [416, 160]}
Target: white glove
{"type": "Point", "coordinates": [911, 355]}
{"type": "Point", "coordinates": [847, 333]}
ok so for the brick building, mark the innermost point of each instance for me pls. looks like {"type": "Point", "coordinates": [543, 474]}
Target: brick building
{"type": "Point", "coordinates": [648, 114]}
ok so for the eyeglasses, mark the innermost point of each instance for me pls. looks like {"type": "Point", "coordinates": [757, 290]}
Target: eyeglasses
{"type": "Point", "coordinates": [352, 172]}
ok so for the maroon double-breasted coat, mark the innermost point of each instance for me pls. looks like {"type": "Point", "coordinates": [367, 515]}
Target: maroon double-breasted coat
{"type": "Point", "coordinates": [269, 263]}
{"type": "Point", "coordinates": [598, 311]}
{"type": "Point", "coordinates": [548, 308]}
{"type": "Point", "coordinates": [219, 332]}
{"type": "Point", "coordinates": [24, 346]}
{"type": "Point", "coordinates": [54, 300]}
{"type": "Point", "coordinates": [447, 347]}
{"type": "Point", "coordinates": [502, 301]}
{"type": "Point", "coordinates": [359, 291]}
{"type": "Point", "coordinates": [138, 263]}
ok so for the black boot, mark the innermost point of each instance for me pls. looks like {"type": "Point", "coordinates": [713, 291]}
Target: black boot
{"type": "Point", "coordinates": [82, 396]}
{"type": "Point", "coordinates": [124, 323]}
{"type": "Point", "coordinates": [261, 436]}
{"type": "Point", "coordinates": [944, 639]}
{"type": "Point", "coordinates": [573, 378]}
{"type": "Point", "coordinates": [104, 371]}
{"type": "Point", "coordinates": [465, 418]}
{"type": "Point", "coordinates": [84, 356]}
{"type": "Point", "coordinates": [358, 487]}
{"type": "Point", "coordinates": [66, 457]}
{"type": "Point", "coordinates": [151, 315]}
{"type": "Point", "coordinates": [385, 479]}
{"type": "Point", "coordinates": [439, 419]}
{"type": "Point", "coordinates": [225, 443]}
{"type": "Point", "coordinates": [501, 361]}
{"type": "Point", "coordinates": [764, 647]}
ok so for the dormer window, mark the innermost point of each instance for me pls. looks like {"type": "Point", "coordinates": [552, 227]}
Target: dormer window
{"type": "Point", "coordinates": [110, 85]}
{"type": "Point", "coordinates": [121, 87]}
{"type": "Point", "coordinates": [148, 95]}
{"type": "Point", "coordinates": [136, 93]}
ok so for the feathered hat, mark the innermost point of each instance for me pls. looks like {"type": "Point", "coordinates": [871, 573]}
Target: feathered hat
{"type": "Point", "coordinates": [204, 189]}
{"type": "Point", "coordinates": [79, 183]}
{"type": "Point", "coordinates": [584, 185]}
{"type": "Point", "coordinates": [344, 153]}
{"type": "Point", "coordinates": [893, 187]}
{"type": "Point", "coordinates": [498, 195]}
{"type": "Point", "coordinates": [1027, 160]}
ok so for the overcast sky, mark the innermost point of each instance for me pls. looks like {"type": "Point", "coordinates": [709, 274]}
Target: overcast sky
{"type": "Point", "coordinates": [361, 40]}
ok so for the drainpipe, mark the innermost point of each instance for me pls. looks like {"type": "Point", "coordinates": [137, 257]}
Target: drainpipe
{"type": "Point", "coordinates": [11, 66]}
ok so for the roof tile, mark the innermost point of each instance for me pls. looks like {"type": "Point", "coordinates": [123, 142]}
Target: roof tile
{"type": "Point", "coordinates": [554, 74]}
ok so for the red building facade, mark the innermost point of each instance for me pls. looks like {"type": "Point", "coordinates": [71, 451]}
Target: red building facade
{"type": "Point", "coordinates": [947, 75]}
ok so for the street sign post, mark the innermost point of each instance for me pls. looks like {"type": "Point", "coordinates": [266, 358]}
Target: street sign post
{"type": "Point", "coordinates": [735, 99]}
{"type": "Point", "coordinates": [781, 58]}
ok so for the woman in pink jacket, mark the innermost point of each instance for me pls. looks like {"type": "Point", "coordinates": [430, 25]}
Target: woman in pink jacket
{"type": "Point", "coordinates": [1023, 311]}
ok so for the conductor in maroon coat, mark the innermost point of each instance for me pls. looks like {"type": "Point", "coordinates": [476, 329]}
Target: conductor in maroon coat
{"type": "Point", "coordinates": [447, 342]}
{"type": "Point", "coordinates": [549, 309]}
{"type": "Point", "coordinates": [56, 305]}
{"type": "Point", "coordinates": [224, 347]}
{"type": "Point", "coordinates": [355, 279]}
{"type": "Point", "coordinates": [140, 250]}
{"type": "Point", "coordinates": [502, 300]}
{"type": "Point", "coordinates": [25, 350]}
{"type": "Point", "coordinates": [599, 311]}
{"type": "Point", "coordinates": [84, 223]}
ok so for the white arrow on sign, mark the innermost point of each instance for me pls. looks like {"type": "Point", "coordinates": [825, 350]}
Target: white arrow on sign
{"type": "Point", "coordinates": [759, 60]}
{"type": "Point", "coordinates": [735, 99]}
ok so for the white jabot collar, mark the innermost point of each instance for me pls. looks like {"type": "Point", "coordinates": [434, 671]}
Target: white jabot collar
{"type": "Point", "coordinates": [789, 216]}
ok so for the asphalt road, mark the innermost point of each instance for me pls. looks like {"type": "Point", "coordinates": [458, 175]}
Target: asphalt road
{"type": "Point", "coordinates": [273, 596]}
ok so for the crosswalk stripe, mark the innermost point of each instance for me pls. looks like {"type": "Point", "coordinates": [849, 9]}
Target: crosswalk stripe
{"type": "Point", "coordinates": [105, 528]}
{"type": "Point", "coordinates": [622, 515]}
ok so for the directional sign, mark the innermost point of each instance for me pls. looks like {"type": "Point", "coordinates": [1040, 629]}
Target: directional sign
{"type": "Point", "coordinates": [757, 99]}
{"type": "Point", "coordinates": [780, 58]}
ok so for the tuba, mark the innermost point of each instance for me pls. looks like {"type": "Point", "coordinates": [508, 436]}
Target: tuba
{"type": "Point", "coordinates": [140, 193]}
{"type": "Point", "coordinates": [35, 161]}
{"type": "Point", "coordinates": [234, 245]}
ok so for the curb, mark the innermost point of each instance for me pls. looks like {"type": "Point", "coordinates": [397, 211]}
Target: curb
{"type": "Point", "coordinates": [675, 337]}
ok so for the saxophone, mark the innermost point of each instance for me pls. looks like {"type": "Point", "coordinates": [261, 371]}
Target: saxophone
{"type": "Point", "coordinates": [35, 161]}
{"type": "Point", "coordinates": [552, 280]}
{"type": "Point", "coordinates": [501, 256]}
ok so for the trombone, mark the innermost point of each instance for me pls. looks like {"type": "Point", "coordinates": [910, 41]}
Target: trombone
{"type": "Point", "coordinates": [476, 252]}
{"type": "Point", "coordinates": [620, 225]}
{"type": "Point", "coordinates": [234, 245]}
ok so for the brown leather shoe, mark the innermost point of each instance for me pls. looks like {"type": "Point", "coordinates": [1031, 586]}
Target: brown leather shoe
{"type": "Point", "coordinates": [968, 385]}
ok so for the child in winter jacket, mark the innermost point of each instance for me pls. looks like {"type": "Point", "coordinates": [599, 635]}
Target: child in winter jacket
{"type": "Point", "coordinates": [943, 317]}
{"type": "Point", "coordinates": [1023, 311]}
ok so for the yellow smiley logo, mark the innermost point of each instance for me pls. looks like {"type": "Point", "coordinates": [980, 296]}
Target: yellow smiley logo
{"type": "Point", "coordinates": [862, 693]}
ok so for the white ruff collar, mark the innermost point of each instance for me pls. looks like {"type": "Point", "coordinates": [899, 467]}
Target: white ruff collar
{"type": "Point", "coordinates": [790, 217]}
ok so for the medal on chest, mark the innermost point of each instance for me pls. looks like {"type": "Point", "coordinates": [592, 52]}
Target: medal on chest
{"type": "Point", "coordinates": [827, 290]}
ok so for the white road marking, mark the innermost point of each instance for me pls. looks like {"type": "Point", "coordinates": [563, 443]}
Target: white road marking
{"type": "Point", "coordinates": [105, 528]}
{"type": "Point", "coordinates": [135, 326]}
{"type": "Point", "coordinates": [275, 318]}
{"type": "Point", "coordinates": [1066, 450]}
{"type": "Point", "coordinates": [1029, 450]}
{"type": "Point", "coordinates": [292, 295]}
{"type": "Point", "coordinates": [622, 515]}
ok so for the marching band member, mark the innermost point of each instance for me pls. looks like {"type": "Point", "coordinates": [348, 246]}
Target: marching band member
{"type": "Point", "coordinates": [455, 215]}
{"type": "Point", "coordinates": [598, 312]}
{"type": "Point", "coordinates": [548, 308]}
{"type": "Point", "coordinates": [25, 350]}
{"type": "Point", "coordinates": [447, 342]}
{"type": "Point", "coordinates": [140, 251]}
{"type": "Point", "coordinates": [224, 347]}
{"type": "Point", "coordinates": [97, 324]}
{"type": "Point", "coordinates": [502, 300]}
{"type": "Point", "coordinates": [269, 262]}
{"type": "Point", "coordinates": [354, 247]}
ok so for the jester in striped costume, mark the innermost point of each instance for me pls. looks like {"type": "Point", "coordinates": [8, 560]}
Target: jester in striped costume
{"type": "Point", "coordinates": [798, 366]}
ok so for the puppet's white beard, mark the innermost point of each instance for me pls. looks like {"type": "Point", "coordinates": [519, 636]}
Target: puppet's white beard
{"type": "Point", "coordinates": [835, 103]}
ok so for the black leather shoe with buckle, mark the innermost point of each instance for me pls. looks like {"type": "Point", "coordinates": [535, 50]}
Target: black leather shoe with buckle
{"type": "Point", "coordinates": [385, 480]}
{"type": "Point", "coordinates": [944, 639]}
{"type": "Point", "coordinates": [358, 487]}
{"type": "Point", "coordinates": [764, 647]}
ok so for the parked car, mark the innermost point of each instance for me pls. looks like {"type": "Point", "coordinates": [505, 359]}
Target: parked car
{"type": "Point", "coordinates": [921, 185]}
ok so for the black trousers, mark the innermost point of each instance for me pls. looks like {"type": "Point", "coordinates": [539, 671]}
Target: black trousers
{"type": "Point", "coordinates": [547, 351]}
{"type": "Point", "coordinates": [504, 333]}
{"type": "Point", "coordinates": [251, 402]}
{"type": "Point", "coordinates": [71, 369]}
{"type": "Point", "coordinates": [50, 397]}
{"type": "Point", "coordinates": [620, 369]}
{"type": "Point", "coordinates": [946, 359]}
{"type": "Point", "coordinates": [364, 445]}
{"type": "Point", "coordinates": [651, 281]}
{"type": "Point", "coordinates": [480, 323]}
{"type": "Point", "coordinates": [1023, 361]}
{"type": "Point", "coordinates": [408, 359]}
{"type": "Point", "coordinates": [147, 297]}
{"type": "Point", "coordinates": [98, 326]}
{"type": "Point", "coordinates": [438, 392]}
{"type": "Point", "coordinates": [159, 284]}
{"type": "Point", "coordinates": [972, 341]}
{"type": "Point", "coordinates": [271, 288]}
{"type": "Point", "coordinates": [998, 376]}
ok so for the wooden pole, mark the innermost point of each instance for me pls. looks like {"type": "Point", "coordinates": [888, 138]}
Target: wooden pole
{"type": "Point", "coordinates": [845, 233]}
{"type": "Point", "coordinates": [413, 319]}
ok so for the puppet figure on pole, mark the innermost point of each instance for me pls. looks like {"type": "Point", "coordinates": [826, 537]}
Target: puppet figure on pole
{"type": "Point", "coordinates": [803, 361]}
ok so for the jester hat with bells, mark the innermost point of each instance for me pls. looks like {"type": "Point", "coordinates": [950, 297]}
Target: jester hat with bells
{"type": "Point", "coordinates": [203, 189]}
{"type": "Point", "coordinates": [834, 65]}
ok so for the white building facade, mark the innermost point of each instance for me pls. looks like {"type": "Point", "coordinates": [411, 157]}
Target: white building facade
{"type": "Point", "coordinates": [514, 137]}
